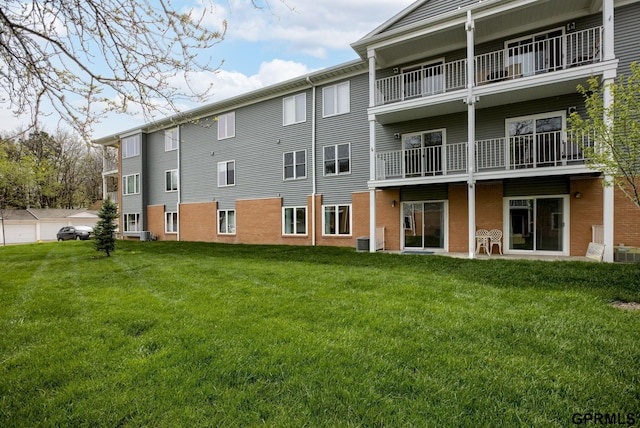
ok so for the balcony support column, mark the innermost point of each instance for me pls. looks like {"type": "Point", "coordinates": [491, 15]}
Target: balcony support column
{"type": "Point", "coordinates": [608, 219]}
{"type": "Point", "coordinates": [372, 192]}
{"type": "Point", "coordinates": [607, 30]}
{"type": "Point", "coordinates": [471, 135]}
{"type": "Point", "coordinates": [372, 150]}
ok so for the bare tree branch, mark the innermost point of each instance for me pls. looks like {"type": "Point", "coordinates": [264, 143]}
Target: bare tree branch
{"type": "Point", "coordinates": [109, 54]}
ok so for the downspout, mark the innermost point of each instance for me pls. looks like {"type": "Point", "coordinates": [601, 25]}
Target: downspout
{"type": "Point", "coordinates": [313, 162]}
{"type": "Point", "coordinates": [179, 186]}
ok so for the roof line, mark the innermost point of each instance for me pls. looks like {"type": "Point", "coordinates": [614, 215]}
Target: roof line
{"type": "Point", "coordinates": [270, 91]}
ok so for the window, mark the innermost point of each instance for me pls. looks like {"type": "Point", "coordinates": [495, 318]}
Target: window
{"type": "Point", "coordinates": [294, 221]}
{"type": "Point", "coordinates": [337, 159]}
{"type": "Point", "coordinates": [336, 99]}
{"type": "Point", "coordinates": [131, 222]}
{"type": "Point", "coordinates": [294, 109]}
{"type": "Point", "coordinates": [226, 222]}
{"type": "Point", "coordinates": [537, 223]}
{"type": "Point", "coordinates": [295, 165]}
{"type": "Point", "coordinates": [538, 140]}
{"type": "Point", "coordinates": [537, 53]}
{"type": "Point", "coordinates": [423, 79]}
{"type": "Point", "coordinates": [227, 125]}
{"type": "Point", "coordinates": [337, 220]}
{"type": "Point", "coordinates": [171, 139]}
{"type": "Point", "coordinates": [130, 146]}
{"type": "Point", "coordinates": [171, 222]}
{"type": "Point", "coordinates": [226, 173]}
{"type": "Point", "coordinates": [131, 184]}
{"type": "Point", "coordinates": [171, 180]}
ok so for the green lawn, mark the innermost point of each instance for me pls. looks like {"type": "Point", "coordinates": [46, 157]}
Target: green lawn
{"type": "Point", "coordinates": [191, 334]}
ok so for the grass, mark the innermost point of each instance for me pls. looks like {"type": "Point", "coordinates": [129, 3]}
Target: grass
{"type": "Point", "coordinates": [193, 334]}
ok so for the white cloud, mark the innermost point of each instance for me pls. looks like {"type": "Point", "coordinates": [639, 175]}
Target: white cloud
{"type": "Point", "coordinates": [227, 84]}
{"type": "Point", "coordinates": [303, 26]}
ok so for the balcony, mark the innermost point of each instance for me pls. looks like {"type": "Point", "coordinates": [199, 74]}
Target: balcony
{"type": "Point", "coordinates": [520, 59]}
{"type": "Point", "coordinates": [497, 155]}
{"type": "Point", "coordinates": [109, 167]}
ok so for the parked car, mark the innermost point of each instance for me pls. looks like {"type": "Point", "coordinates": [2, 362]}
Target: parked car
{"type": "Point", "coordinates": [74, 232]}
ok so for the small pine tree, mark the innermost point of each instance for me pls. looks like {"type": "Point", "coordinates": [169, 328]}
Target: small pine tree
{"type": "Point", "coordinates": [104, 232]}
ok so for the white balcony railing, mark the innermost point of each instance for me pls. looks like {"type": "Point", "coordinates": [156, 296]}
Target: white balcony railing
{"type": "Point", "coordinates": [428, 80]}
{"type": "Point", "coordinates": [543, 150]}
{"type": "Point", "coordinates": [109, 166]}
{"type": "Point", "coordinates": [526, 59]}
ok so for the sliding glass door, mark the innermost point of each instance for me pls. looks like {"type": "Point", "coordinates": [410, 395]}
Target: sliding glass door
{"type": "Point", "coordinates": [538, 224]}
{"type": "Point", "coordinates": [424, 225]}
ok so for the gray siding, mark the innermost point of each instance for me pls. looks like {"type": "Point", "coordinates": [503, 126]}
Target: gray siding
{"type": "Point", "coordinates": [134, 165]}
{"type": "Point", "coordinates": [539, 186]}
{"type": "Point", "coordinates": [430, 9]}
{"type": "Point", "coordinates": [198, 166]}
{"type": "Point", "coordinates": [353, 128]}
{"type": "Point", "coordinates": [490, 122]}
{"type": "Point", "coordinates": [158, 162]}
{"type": "Point", "coordinates": [433, 192]}
{"type": "Point", "coordinates": [627, 37]}
{"type": "Point", "coordinates": [257, 149]}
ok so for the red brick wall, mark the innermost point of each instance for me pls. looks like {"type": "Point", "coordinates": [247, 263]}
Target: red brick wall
{"type": "Point", "coordinates": [585, 212]}
{"type": "Point", "coordinates": [198, 222]}
{"type": "Point", "coordinates": [458, 219]}
{"type": "Point", "coordinates": [360, 215]}
{"type": "Point", "coordinates": [259, 221]}
{"type": "Point", "coordinates": [389, 217]}
{"type": "Point", "coordinates": [627, 221]}
{"type": "Point", "coordinates": [155, 220]}
{"type": "Point", "coordinates": [489, 206]}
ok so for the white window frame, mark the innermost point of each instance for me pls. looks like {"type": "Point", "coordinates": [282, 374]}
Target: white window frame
{"type": "Point", "coordinates": [228, 230]}
{"type": "Point", "coordinates": [130, 146]}
{"type": "Point", "coordinates": [125, 222]}
{"type": "Point", "coordinates": [336, 160]}
{"type": "Point", "coordinates": [423, 82]}
{"type": "Point", "coordinates": [296, 232]}
{"type": "Point", "coordinates": [337, 219]}
{"type": "Point", "coordinates": [226, 125]}
{"type": "Point", "coordinates": [507, 58]}
{"type": "Point", "coordinates": [334, 100]}
{"type": "Point", "coordinates": [294, 100]}
{"type": "Point", "coordinates": [136, 185]}
{"type": "Point", "coordinates": [533, 117]}
{"type": "Point", "coordinates": [171, 139]}
{"type": "Point", "coordinates": [171, 222]}
{"type": "Point", "coordinates": [566, 224]}
{"type": "Point", "coordinates": [295, 164]}
{"type": "Point", "coordinates": [169, 180]}
{"type": "Point", "coordinates": [226, 169]}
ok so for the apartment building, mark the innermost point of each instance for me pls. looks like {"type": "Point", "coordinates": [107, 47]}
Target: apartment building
{"type": "Point", "coordinates": [454, 119]}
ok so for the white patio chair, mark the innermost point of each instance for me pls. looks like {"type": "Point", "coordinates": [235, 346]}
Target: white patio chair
{"type": "Point", "coordinates": [495, 238]}
{"type": "Point", "coordinates": [482, 241]}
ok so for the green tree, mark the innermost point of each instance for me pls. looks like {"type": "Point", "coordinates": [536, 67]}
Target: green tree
{"type": "Point", "coordinates": [104, 239]}
{"type": "Point", "coordinates": [615, 131]}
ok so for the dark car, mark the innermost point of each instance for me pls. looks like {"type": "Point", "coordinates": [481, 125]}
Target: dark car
{"type": "Point", "coordinates": [74, 232]}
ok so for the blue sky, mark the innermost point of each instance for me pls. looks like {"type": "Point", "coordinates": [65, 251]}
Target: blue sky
{"type": "Point", "coordinates": [265, 46]}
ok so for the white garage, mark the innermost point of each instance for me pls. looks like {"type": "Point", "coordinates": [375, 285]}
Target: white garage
{"type": "Point", "coordinates": [33, 225]}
